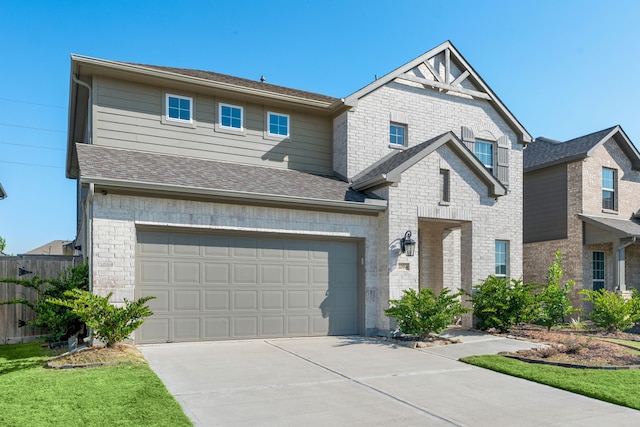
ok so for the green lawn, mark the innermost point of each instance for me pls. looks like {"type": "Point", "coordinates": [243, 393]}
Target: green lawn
{"type": "Point", "coordinates": [124, 395]}
{"type": "Point", "coordinates": [615, 386]}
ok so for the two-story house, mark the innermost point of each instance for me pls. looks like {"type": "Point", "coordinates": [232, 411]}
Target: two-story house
{"type": "Point", "coordinates": [581, 197]}
{"type": "Point", "coordinates": [254, 210]}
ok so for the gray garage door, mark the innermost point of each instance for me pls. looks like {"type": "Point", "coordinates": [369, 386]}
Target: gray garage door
{"type": "Point", "coordinates": [215, 287]}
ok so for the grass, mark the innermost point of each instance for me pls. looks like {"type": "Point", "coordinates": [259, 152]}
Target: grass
{"type": "Point", "coordinates": [635, 344]}
{"type": "Point", "coordinates": [615, 386]}
{"type": "Point", "coordinates": [125, 395]}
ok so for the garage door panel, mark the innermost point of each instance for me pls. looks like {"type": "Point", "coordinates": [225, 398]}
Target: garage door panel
{"type": "Point", "coordinates": [298, 325]}
{"type": "Point", "coordinates": [272, 274]}
{"type": "Point", "coordinates": [186, 328]}
{"type": "Point", "coordinates": [154, 272]}
{"type": "Point", "coordinates": [217, 300]}
{"type": "Point", "coordinates": [159, 304]}
{"type": "Point", "coordinates": [245, 274]}
{"type": "Point", "coordinates": [186, 300]}
{"type": "Point", "coordinates": [272, 300]}
{"type": "Point", "coordinates": [272, 326]}
{"type": "Point", "coordinates": [216, 246]}
{"type": "Point", "coordinates": [216, 328]}
{"type": "Point", "coordinates": [245, 300]}
{"type": "Point", "coordinates": [156, 329]}
{"type": "Point", "coordinates": [211, 287]}
{"type": "Point", "coordinates": [245, 326]}
{"type": "Point", "coordinates": [186, 272]}
{"type": "Point", "coordinates": [298, 300]}
{"type": "Point", "coordinates": [217, 273]}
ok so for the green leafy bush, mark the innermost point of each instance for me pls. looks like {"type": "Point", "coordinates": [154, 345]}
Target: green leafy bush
{"type": "Point", "coordinates": [423, 312]}
{"type": "Point", "coordinates": [110, 324]}
{"type": "Point", "coordinates": [59, 321]}
{"type": "Point", "coordinates": [500, 303]}
{"type": "Point", "coordinates": [553, 298]}
{"type": "Point", "coordinates": [611, 311]}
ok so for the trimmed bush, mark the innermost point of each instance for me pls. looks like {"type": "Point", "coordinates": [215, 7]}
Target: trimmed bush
{"type": "Point", "coordinates": [500, 303]}
{"type": "Point", "coordinates": [423, 312]}
{"type": "Point", "coordinates": [611, 311]}
{"type": "Point", "coordinates": [110, 324]}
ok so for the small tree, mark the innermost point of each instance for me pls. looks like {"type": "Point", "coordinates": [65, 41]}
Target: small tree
{"type": "Point", "coordinates": [111, 324]}
{"type": "Point", "coordinates": [59, 321]}
{"type": "Point", "coordinates": [500, 303]}
{"type": "Point", "coordinates": [3, 244]}
{"type": "Point", "coordinates": [423, 312]}
{"type": "Point", "coordinates": [554, 301]}
{"type": "Point", "coordinates": [611, 311]}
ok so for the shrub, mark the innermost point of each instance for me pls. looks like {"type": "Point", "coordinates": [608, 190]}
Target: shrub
{"type": "Point", "coordinates": [423, 312]}
{"type": "Point", "coordinates": [501, 303]}
{"type": "Point", "coordinates": [59, 321]}
{"type": "Point", "coordinates": [611, 311]}
{"type": "Point", "coordinates": [111, 324]}
{"type": "Point", "coordinates": [553, 298]}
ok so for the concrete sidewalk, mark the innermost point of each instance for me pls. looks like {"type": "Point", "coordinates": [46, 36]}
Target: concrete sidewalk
{"type": "Point", "coordinates": [351, 381]}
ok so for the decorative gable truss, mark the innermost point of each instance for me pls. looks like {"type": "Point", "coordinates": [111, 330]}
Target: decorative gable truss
{"type": "Point", "coordinates": [444, 72]}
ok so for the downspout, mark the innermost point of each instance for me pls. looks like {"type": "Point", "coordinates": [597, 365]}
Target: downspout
{"type": "Point", "coordinates": [89, 108]}
{"type": "Point", "coordinates": [621, 260]}
{"type": "Point", "coordinates": [89, 247]}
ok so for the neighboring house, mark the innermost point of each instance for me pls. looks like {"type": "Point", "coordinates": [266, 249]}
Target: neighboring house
{"type": "Point", "coordinates": [55, 247]}
{"type": "Point", "coordinates": [3, 195]}
{"type": "Point", "coordinates": [254, 210]}
{"type": "Point", "coordinates": [581, 197]}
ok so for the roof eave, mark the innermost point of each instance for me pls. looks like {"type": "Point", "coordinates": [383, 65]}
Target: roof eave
{"type": "Point", "coordinates": [163, 74]}
{"type": "Point", "coordinates": [369, 206]}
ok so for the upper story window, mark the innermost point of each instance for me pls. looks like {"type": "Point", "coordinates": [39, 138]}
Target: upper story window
{"type": "Point", "coordinates": [179, 108]}
{"type": "Point", "coordinates": [397, 134]}
{"type": "Point", "coordinates": [231, 116]}
{"type": "Point", "coordinates": [278, 124]}
{"type": "Point", "coordinates": [444, 186]}
{"type": "Point", "coordinates": [609, 189]}
{"type": "Point", "coordinates": [501, 254]}
{"type": "Point", "coordinates": [484, 152]}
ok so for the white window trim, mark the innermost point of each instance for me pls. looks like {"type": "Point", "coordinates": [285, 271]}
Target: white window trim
{"type": "Point", "coordinates": [219, 125]}
{"type": "Point", "coordinates": [604, 270]}
{"type": "Point", "coordinates": [506, 258]}
{"type": "Point", "coordinates": [406, 135]}
{"type": "Point", "coordinates": [178, 122]}
{"type": "Point", "coordinates": [493, 152]}
{"type": "Point", "coordinates": [278, 136]}
{"type": "Point", "coordinates": [612, 190]}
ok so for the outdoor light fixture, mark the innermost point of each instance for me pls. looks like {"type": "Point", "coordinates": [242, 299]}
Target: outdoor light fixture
{"type": "Point", "coordinates": [407, 244]}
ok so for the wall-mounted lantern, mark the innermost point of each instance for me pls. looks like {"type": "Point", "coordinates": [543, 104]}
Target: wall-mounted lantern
{"type": "Point", "coordinates": [407, 244]}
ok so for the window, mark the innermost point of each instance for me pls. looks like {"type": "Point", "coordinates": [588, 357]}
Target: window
{"type": "Point", "coordinates": [397, 134]}
{"type": "Point", "coordinates": [484, 152]}
{"type": "Point", "coordinates": [501, 251]}
{"type": "Point", "coordinates": [444, 185]}
{"type": "Point", "coordinates": [609, 189]}
{"type": "Point", "coordinates": [230, 116]}
{"type": "Point", "coordinates": [178, 108]}
{"type": "Point", "coordinates": [598, 270]}
{"type": "Point", "coordinates": [278, 124]}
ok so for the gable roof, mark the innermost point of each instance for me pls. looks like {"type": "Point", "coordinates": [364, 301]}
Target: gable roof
{"type": "Point", "coordinates": [545, 152]}
{"type": "Point", "coordinates": [55, 247]}
{"type": "Point", "coordinates": [152, 172]}
{"type": "Point", "coordinates": [468, 82]}
{"type": "Point", "coordinates": [389, 169]}
{"type": "Point", "coordinates": [3, 194]}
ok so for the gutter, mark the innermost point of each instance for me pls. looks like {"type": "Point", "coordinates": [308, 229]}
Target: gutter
{"type": "Point", "coordinates": [368, 206]}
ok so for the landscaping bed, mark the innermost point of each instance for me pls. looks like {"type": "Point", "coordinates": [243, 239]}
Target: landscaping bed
{"type": "Point", "coordinates": [98, 356]}
{"type": "Point", "coordinates": [576, 348]}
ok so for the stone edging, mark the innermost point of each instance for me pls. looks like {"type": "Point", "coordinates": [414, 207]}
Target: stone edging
{"type": "Point", "coordinates": [570, 365]}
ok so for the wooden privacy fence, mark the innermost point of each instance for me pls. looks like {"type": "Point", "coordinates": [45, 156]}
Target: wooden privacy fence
{"type": "Point", "coordinates": [43, 266]}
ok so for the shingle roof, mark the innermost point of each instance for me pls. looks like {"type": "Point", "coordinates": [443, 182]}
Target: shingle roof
{"type": "Point", "coordinates": [237, 81]}
{"type": "Point", "coordinates": [393, 160]}
{"type": "Point", "coordinates": [623, 227]}
{"type": "Point", "coordinates": [547, 152]}
{"type": "Point", "coordinates": [97, 162]}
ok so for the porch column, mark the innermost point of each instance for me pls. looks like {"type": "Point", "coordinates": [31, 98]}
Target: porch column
{"type": "Point", "coordinates": [619, 272]}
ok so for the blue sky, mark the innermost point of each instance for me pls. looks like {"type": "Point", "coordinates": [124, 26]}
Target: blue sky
{"type": "Point", "coordinates": [564, 68]}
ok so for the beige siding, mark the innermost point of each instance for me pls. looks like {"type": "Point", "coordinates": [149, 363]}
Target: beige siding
{"type": "Point", "coordinates": [129, 115]}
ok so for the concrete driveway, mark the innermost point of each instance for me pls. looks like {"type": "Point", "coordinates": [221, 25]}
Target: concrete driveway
{"type": "Point", "coordinates": [352, 381]}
